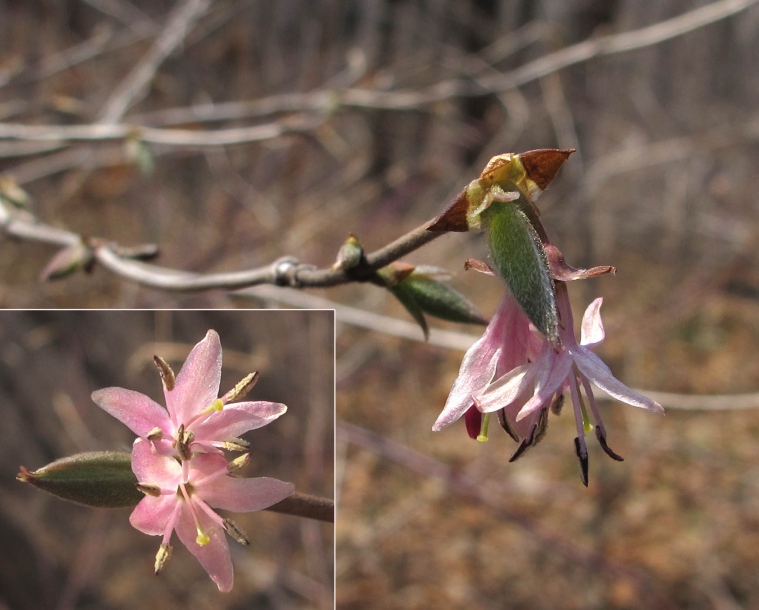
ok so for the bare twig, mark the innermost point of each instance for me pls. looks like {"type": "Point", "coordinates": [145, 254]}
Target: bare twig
{"type": "Point", "coordinates": [286, 271]}
{"type": "Point", "coordinates": [154, 135]}
{"type": "Point", "coordinates": [345, 314]}
{"type": "Point", "coordinates": [171, 37]}
{"type": "Point", "coordinates": [306, 505]}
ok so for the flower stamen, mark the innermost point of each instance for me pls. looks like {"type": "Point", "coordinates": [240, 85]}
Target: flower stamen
{"type": "Point", "coordinates": [244, 386]}
{"type": "Point", "coordinates": [162, 557]}
{"type": "Point", "coordinates": [167, 374]}
{"type": "Point", "coordinates": [236, 532]}
{"type": "Point", "coordinates": [235, 444]}
{"type": "Point", "coordinates": [183, 441]}
{"type": "Point", "coordinates": [239, 462]}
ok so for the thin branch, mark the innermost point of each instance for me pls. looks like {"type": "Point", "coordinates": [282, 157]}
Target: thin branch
{"type": "Point", "coordinates": [286, 271]}
{"type": "Point", "coordinates": [345, 314]}
{"type": "Point", "coordinates": [548, 64]}
{"type": "Point", "coordinates": [137, 80]}
{"type": "Point", "coordinates": [306, 505]}
{"type": "Point", "coordinates": [156, 135]}
{"type": "Point", "coordinates": [110, 127]}
{"type": "Point", "coordinates": [704, 402]}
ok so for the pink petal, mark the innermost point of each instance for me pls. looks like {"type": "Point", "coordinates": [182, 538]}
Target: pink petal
{"type": "Point", "coordinates": [150, 467]}
{"type": "Point", "coordinates": [197, 384]}
{"type": "Point", "coordinates": [152, 515]}
{"type": "Point", "coordinates": [503, 346]}
{"type": "Point", "coordinates": [506, 389]}
{"type": "Point", "coordinates": [214, 556]}
{"type": "Point", "coordinates": [592, 330]}
{"type": "Point", "coordinates": [236, 419]}
{"type": "Point", "coordinates": [553, 369]}
{"type": "Point", "coordinates": [596, 371]}
{"type": "Point", "coordinates": [524, 426]}
{"type": "Point", "coordinates": [477, 370]}
{"type": "Point", "coordinates": [138, 412]}
{"type": "Point", "coordinates": [207, 465]}
{"type": "Point", "coordinates": [244, 495]}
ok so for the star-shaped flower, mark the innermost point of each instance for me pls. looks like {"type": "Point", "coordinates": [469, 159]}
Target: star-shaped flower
{"type": "Point", "coordinates": [181, 494]}
{"type": "Point", "coordinates": [197, 420]}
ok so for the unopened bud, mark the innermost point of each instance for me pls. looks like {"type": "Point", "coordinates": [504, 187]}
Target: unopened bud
{"type": "Point", "coordinates": [440, 300]}
{"type": "Point", "coordinates": [99, 478]}
{"type": "Point", "coordinates": [350, 255]}
{"type": "Point", "coordinates": [138, 152]}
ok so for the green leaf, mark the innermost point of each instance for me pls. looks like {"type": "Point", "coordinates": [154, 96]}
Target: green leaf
{"type": "Point", "coordinates": [442, 301]}
{"type": "Point", "coordinates": [408, 299]}
{"type": "Point", "coordinates": [102, 479]}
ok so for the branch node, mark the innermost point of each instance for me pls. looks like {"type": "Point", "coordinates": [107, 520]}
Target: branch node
{"type": "Point", "coordinates": [284, 271]}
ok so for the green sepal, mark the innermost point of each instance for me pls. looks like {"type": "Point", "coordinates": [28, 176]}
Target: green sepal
{"type": "Point", "coordinates": [103, 479]}
{"type": "Point", "coordinates": [520, 259]}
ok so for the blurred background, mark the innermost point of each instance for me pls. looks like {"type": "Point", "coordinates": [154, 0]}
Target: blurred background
{"type": "Point", "coordinates": [60, 555]}
{"type": "Point", "coordinates": [391, 107]}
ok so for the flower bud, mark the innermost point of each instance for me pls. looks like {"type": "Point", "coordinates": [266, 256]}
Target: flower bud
{"type": "Point", "coordinates": [101, 479]}
{"type": "Point", "coordinates": [351, 254]}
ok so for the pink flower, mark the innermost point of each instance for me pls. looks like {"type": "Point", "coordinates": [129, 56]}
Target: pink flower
{"type": "Point", "coordinates": [181, 495]}
{"type": "Point", "coordinates": [197, 420]}
{"type": "Point", "coordinates": [539, 374]}
{"type": "Point", "coordinates": [506, 344]}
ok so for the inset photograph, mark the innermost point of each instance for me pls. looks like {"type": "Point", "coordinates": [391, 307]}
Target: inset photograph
{"type": "Point", "coordinates": [167, 459]}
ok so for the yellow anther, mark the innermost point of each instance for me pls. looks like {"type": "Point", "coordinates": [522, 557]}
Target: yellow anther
{"type": "Point", "coordinates": [162, 557]}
